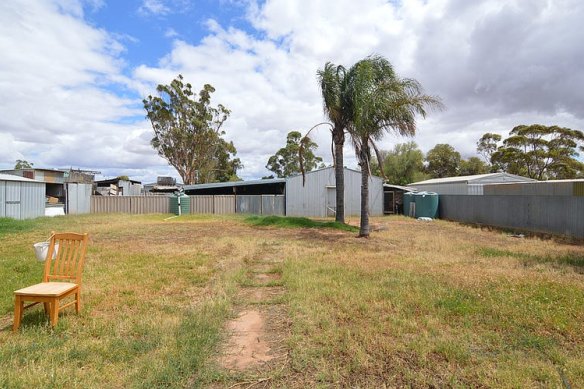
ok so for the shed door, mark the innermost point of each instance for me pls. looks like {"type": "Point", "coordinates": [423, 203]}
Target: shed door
{"type": "Point", "coordinates": [331, 201]}
{"type": "Point", "coordinates": [389, 202]}
{"type": "Point", "coordinates": [13, 199]}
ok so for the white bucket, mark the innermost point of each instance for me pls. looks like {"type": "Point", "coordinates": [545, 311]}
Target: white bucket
{"type": "Point", "coordinates": [41, 250]}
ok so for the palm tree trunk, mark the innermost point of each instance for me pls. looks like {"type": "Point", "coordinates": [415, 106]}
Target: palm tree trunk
{"type": "Point", "coordinates": [364, 162]}
{"type": "Point", "coordinates": [339, 141]}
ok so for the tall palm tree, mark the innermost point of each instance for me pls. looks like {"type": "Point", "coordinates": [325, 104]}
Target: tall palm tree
{"type": "Point", "coordinates": [377, 101]}
{"type": "Point", "coordinates": [332, 84]}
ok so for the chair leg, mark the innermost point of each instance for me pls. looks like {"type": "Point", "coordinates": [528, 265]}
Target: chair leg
{"type": "Point", "coordinates": [78, 301]}
{"type": "Point", "coordinates": [47, 308]}
{"type": "Point", "coordinates": [18, 308]}
{"type": "Point", "coordinates": [54, 312]}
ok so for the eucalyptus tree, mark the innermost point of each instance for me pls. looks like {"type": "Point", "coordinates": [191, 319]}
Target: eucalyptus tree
{"type": "Point", "coordinates": [541, 152]}
{"type": "Point", "coordinates": [332, 82]}
{"type": "Point", "coordinates": [377, 101]}
{"type": "Point", "coordinates": [287, 161]}
{"type": "Point", "coordinates": [443, 161]}
{"type": "Point", "coordinates": [188, 132]}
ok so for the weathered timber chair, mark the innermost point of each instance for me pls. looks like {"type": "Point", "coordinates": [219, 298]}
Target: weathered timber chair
{"type": "Point", "coordinates": [61, 278]}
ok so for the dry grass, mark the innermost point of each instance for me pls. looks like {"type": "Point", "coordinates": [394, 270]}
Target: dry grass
{"type": "Point", "coordinates": [420, 304]}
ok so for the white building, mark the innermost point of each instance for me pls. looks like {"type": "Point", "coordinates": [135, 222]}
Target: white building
{"type": "Point", "coordinates": [466, 185]}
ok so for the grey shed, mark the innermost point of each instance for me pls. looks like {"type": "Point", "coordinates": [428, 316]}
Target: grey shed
{"type": "Point", "coordinates": [21, 198]}
{"type": "Point", "coordinates": [317, 198]}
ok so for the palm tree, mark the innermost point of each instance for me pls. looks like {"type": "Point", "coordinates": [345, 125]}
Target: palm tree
{"type": "Point", "coordinates": [332, 83]}
{"type": "Point", "coordinates": [377, 101]}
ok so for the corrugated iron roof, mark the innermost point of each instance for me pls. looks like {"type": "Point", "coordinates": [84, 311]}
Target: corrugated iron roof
{"type": "Point", "coordinates": [11, 177]}
{"type": "Point", "coordinates": [235, 183]}
{"type": "Point", "coordinates": [470, 179]}
{"type": "Point", "coordinates": [405, 188]}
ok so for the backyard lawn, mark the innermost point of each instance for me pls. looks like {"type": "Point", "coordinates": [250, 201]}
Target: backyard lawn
{"type": "Point", "coordinates": [417, 304]}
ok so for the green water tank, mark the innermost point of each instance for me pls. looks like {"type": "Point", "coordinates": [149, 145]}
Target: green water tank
{"type": "Point", "coordinates": [426, 204]}
{"type": "Point", "coordinates": [185, 204]}
{"type": "Point", "coordinates": [408, 199]}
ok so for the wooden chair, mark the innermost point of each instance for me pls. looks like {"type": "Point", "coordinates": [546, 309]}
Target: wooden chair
{"type": "Point", "coordinates": [61, 278]}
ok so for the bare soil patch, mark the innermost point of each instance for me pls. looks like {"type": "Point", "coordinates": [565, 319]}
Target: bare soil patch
{"type": "Point", "coordinates": [258, 295]}
{"type": "Point", "coordinates": [257, 340]}
{"type": "Point", "coordinates": [248, 346]}
{"type": "Point", "coordinates": [266, 278]}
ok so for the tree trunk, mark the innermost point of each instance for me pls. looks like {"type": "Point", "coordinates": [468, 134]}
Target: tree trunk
{"type": "Point", "coordinates": [364, 225]}
{"type": "Point", "coordinates": [339, 141]}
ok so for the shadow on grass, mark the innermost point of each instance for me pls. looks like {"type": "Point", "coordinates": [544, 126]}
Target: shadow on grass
{"type": "Point", "coordinates": [571, 259]}
{"type": "Point", "coordinates": [297, 222]}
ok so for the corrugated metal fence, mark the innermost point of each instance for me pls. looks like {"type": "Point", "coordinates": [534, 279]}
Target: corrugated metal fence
{"type": "Point", "coordinates": [78, 198]}
{"type": "Point", "coordinates": [130, 204]}
{"type": "Point", "coordinates": [549, 214]}
{"type": "Point", "coordinates": [261, 205]}
{"type": "Point", "coordinates": [219, 204]}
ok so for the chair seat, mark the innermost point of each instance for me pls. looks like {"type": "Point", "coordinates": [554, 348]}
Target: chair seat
{"type": "Point", "coordinates": [47, 289]}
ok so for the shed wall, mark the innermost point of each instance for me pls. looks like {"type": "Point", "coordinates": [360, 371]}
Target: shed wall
{"type": "Point", "coordinates": [312, 200]}
{"type": "Point", "coordinates": [32, 200]}
{"type": "Point", "coordinates": [22, 200]}
{"type": "Point", "coordinates": [2, 198]}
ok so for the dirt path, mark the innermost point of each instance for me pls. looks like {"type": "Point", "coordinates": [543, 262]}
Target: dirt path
{"type": "Point", "coordinates": [256, 345]}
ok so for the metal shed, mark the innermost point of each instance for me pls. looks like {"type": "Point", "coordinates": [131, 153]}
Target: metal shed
{"type": "Point", "coordinates": [466, 185]}
{"type": "Point", "coordinates": [317, 197]}
{"type": "Point", "coordinates": [21, 198]}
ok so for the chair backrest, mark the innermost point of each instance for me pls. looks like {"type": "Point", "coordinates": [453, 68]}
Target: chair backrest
{"type": "Point", "coordinates": [65, 257]}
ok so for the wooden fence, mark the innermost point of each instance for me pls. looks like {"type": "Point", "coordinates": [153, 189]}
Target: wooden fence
{"type": "Point", "coordinates": [218, 204]}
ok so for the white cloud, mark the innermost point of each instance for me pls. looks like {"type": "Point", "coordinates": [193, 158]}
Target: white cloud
{"type": "Point", "coordinates": [153, 7]}
{"type": "Point", "coordinates": [495, 63]}
{"type": "Point", "coordinates": [56, 109]}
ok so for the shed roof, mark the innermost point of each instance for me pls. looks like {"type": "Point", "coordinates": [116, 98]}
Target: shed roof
{"type": "Point", "coordinates": [234, 183]}
{"type": "Point", "coordinates": [35, 169]}
{"type": "Point", "coordinates": [115, 181]}
{"type": "Point", "coordinates": [476, 179]}
{"type": "Point", "coordinates": [400, 187]}
{"type": "Point", "coordinates": [11, 177]}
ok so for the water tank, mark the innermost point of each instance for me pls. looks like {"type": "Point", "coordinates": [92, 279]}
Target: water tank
{"type": "Point", "coordinates": [185, 204]}
{"type": "Point", "coordinates": [426, 204]}
{"type": "Point", "coordinates": [409, 199]}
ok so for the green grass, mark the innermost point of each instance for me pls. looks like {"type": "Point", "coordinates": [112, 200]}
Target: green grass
{"type": "Point", "coordinates": [416, 305]}
{"type": "Point", "coordinates": [297, 222]}
{"type": "Point", "coordinates": [573, 259]}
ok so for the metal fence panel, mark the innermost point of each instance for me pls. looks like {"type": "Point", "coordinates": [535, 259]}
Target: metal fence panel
{"type": "Point", "coordinates": [110, 204]}
{"type": "Point", "coordinates": [202, 204]}
{"type": "Point", "coordinates": [78, 198]}
{"type": "Point", "coordinates": [273, 205]}
{"type": "Point", "coordinates": [149, 204]}
{"type": "Point", "coordinates": [218, 204]}
{"type": "Point", "coordinates": [548, 214]}
{"type": "Point", "coordinates": [248, 204]}
{"type": "Point", "coordinates": [224, 204]}
{"type": "Point", "coordinates": [130, 204]}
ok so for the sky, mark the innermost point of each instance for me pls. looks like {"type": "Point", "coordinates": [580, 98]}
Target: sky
{"type": "Point", "coordinates": [73, 73]}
